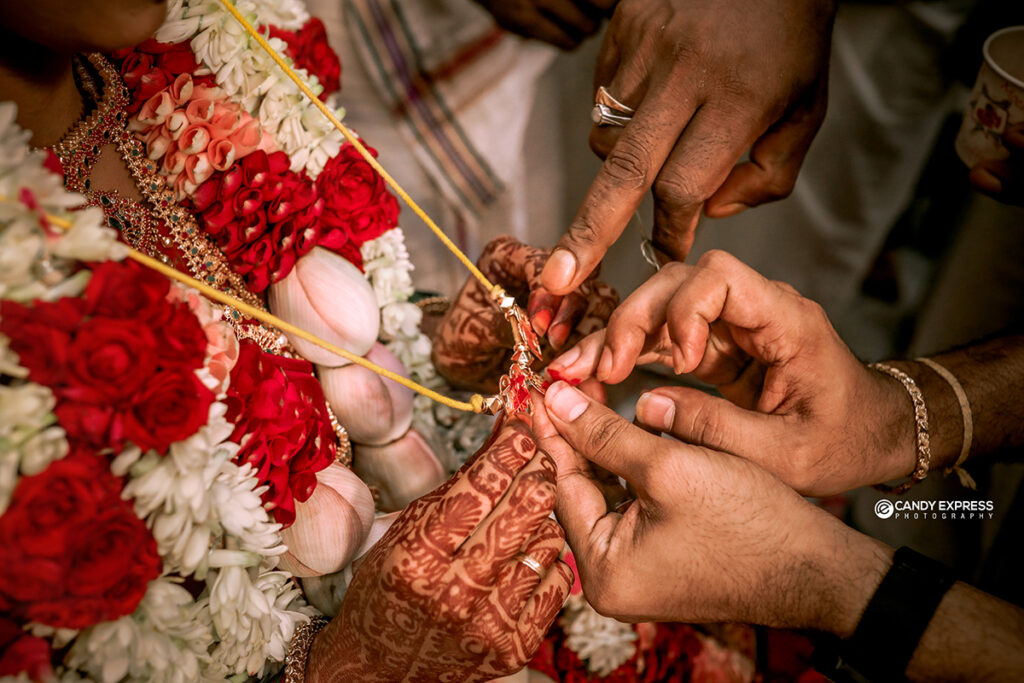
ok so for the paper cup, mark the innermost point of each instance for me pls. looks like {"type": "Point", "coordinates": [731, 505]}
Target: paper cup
{"type": "Point", "coordinates": [997, 101]}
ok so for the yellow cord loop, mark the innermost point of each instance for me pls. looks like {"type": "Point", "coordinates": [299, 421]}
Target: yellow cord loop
{"type": "Point", "coordinates": [476, 404]}
{"type": "Point", "coordinates": [495, 291]}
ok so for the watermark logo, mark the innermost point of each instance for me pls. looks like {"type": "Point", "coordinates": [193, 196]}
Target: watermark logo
{"type": "Point", "coordinates": [934, 509]}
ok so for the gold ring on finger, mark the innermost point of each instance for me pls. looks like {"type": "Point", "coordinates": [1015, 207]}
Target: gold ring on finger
{"type": "Point", "coordinates": [532, 563]}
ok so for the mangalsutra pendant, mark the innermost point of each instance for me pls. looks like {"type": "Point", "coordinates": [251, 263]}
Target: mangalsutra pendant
{"type": "Point", "coordinates": [514, 387]}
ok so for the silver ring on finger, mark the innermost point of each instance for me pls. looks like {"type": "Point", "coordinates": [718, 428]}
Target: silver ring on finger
{"type": "Point", "coordinates": [607, 99]}
{"type": "Point", "coordinates": [608, 111]}
{"type": "Point", "coordinates": [603, 115]}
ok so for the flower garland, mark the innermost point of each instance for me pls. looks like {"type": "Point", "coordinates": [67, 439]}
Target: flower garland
{"type": "Point", "coordinates": [101, 527]}
{"type": "Point", "coordinates": [261, 175]}
{"type": "Point", "coordinates": [248, 75]}
{"type": "Point", "coordinates": [211, 134]}
{"type": "Point", "coordinates": [260, 197]}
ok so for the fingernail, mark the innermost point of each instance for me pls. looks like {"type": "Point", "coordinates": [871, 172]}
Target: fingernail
{"type": "Point", "coordinates": [604, 368]}
{"type": "Point", "coordinates": [567, 358]}
{"type": "Point", "coordinates": [656, 411]}
{"type": "Point", "coordinates": [559, 270]}
{"type": "Point", "coordinates": [541, 320]}
{"type": "Point", "coordinates": [565, 402]}
{"type": "Point", "coordinates": [678, 361]}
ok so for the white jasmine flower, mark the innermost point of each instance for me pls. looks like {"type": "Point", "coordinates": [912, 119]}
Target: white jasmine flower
{"type": "Point", "coordinates": [29, 440]}
{"type": "Point", "coordinates": [251, 618]}
{"type": "Point", "coordinates": [288, 14]}
{"type": "Point", "coordinates": [10, 364]}
{"type": "Point", "coordinates": [89, 239]}
{"type": "Point", "coordinates": [22, 245]}
{"type": "Point", "coordinates": [43, 448]}
{"type": "Point", "coordinates": [400, 320]}
{"type": "Point", "coordinates": [604, 643]}
{"type": "Point", "coordinates": [415, 356]}
{"type": "Point", "coordinates": [165, 640]}
{"type": "Point", "coordinates": [24, 410]}
{"type": "Point", "coordinates": [59, 637]}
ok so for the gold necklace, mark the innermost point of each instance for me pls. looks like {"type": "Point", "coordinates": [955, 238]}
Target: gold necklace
{"type": "Point", "coordinates": [160, 227]}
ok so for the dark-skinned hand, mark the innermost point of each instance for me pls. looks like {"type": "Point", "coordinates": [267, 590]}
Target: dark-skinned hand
{"type": "Point", "coordinates": [563, 23]}
{"type": "Point", "coordinates": [710, 80]}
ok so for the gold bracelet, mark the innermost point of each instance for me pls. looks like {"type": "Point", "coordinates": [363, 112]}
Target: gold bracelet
{"type": "Point", "coordinates": [434, 305]}
{"type": "Point", "coordinates": [924, 450]}
{"type": "Point", "coordinates": [298, 649]}
{"type": "Point", "coordinates": [968, 422]}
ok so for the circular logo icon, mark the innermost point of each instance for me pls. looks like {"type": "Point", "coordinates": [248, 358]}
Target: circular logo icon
{"type": "Point", "coordinates": [883, 509]}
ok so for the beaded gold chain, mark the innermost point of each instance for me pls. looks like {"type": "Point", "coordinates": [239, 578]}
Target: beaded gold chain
{"type": "Point", "coordinates": [139, 224]}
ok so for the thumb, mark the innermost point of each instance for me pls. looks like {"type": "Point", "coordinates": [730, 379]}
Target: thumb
{"type": "Point", "coordinates": [599, 435]}
{"type": "Point", "coordinates": [704, 420]}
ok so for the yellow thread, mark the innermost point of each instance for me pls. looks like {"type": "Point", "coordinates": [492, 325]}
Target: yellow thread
{"type": "Point", "coordinates": [495, 291]}
{"type": "Point", "coordinates": [270, 319]}
{"type": "Point", "coordinates": [476, 401]}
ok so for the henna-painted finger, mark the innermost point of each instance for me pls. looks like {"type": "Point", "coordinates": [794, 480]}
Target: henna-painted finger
{"type": "Point", "coordinates": [570, 312]}
{"type": "Point", "coordinates": [543, 606]}
{"type": "Point", "coordinates": [540, 309]}
{"type": "Point", "coordinates": [601, 302]}
{"type": "Point", "coordinates": [475, 490]}
{"type": "Point", "coordinates": [513, 265]}
{"type": "Point", "coordinates": [518, 579]}
{"type": "Point", "coordinates": [527, 504]}
{"type": "Point", "coordinates": [497, 431]}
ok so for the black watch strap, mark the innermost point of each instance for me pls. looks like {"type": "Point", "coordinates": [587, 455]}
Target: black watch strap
{"type": "Point", "coordinates": [892, 624]}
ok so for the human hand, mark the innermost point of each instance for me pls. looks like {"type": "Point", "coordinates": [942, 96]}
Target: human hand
{"type": "Point", "coordinates": [1004, 179]}
{"type": "Point", "coordinates": [709, 537]}
{"type": "Point", "coordinates": [443, 595]}
{"type": "Point", "coordinates": [797, 401]}
{"type": "Point", "coordinates": [563, 23]}
{"type": "Point", "coordinates": [473, 345]}
{"type": "Point", "coordinates": [709, 79]}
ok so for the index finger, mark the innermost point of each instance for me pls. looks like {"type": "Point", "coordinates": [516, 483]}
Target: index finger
{"type": "Point", "coordinates": [625, 177]}
{"type": "Point", "coordinates": [769, 319]}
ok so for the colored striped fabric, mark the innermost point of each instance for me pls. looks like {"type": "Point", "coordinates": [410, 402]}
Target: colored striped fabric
{"type": "Point", "coordinates": [420, 93]}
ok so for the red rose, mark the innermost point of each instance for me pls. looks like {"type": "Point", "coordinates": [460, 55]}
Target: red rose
{"type": "Point", "coordinates": [125, 370]}
{"type": "Point", "coordinates": [41, 336]}
{"type": "Point", "coordinates": [126, 290]}
{"type": "Point", "coordinates": [356, 199]}
{"type": "Point", "coordinates": [262, 215]}
{"type": "Point", "coordinates": [74, 553]}
{"type": "Point", "coordinates": [281, 422]}
{"type": "Point", "coordinates": [309, 49]}
{"type": "Point", "coordinates": [109, 359]}
{"type": "Point", "coordinates": [23, 653]}
{"type": "Point", "coordinates": [350, 252]}
{"type": "Point", "coordinates": [152, 66]}
{"type": "Point", "coordinates": [90, 424]}
{"type": "Point", "coordinates": [171, 406]}
{"type": "Point", "coordinates": [181, 340]}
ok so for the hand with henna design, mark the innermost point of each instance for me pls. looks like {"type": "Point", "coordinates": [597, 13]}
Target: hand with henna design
{"type": "Point", "coordinates": [443, 595]}
{"type": "Point", "coordinates": [473, 345]}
